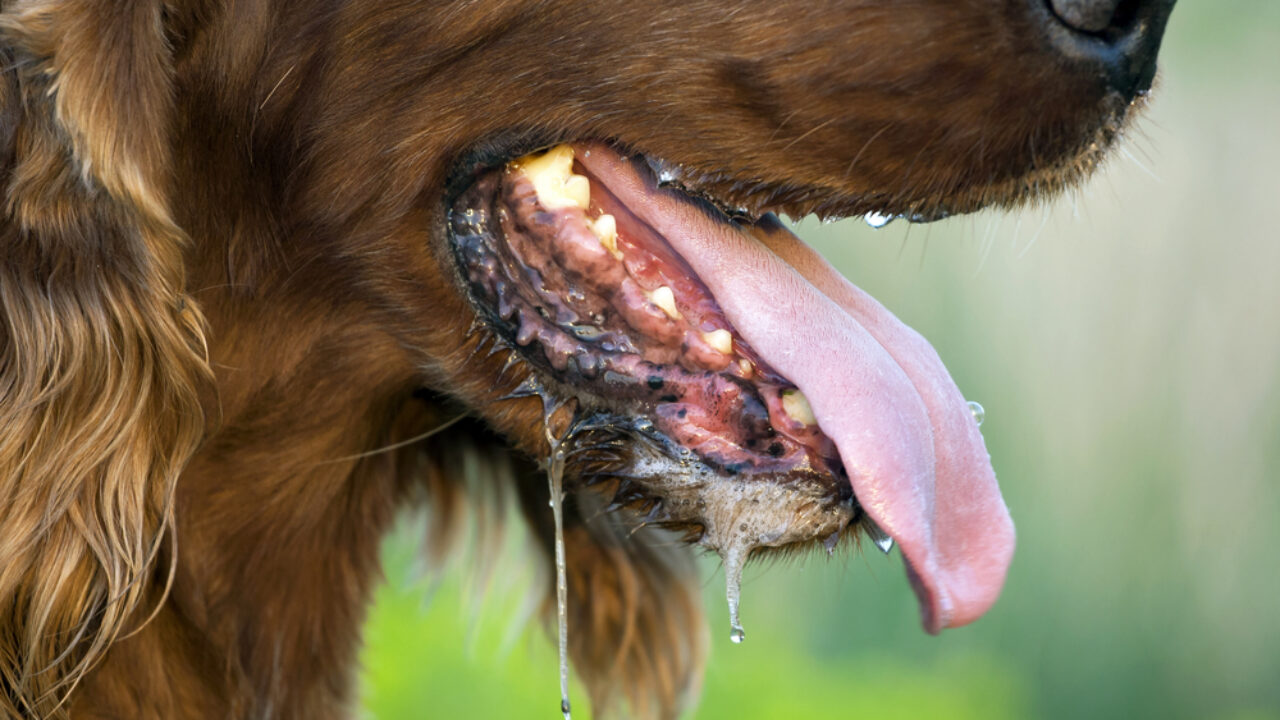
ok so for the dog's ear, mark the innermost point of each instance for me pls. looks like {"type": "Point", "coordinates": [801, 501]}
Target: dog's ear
{"type": "Point", "coordinates": [101, 354]}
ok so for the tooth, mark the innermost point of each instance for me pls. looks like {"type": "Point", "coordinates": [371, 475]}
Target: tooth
{"type": "Point", "coordinates": [577, 189]}
{"type": "Point", "coordinates": [721, 340]}
{"type": "Point", "coordinates": [554, 164]}
{"type": "Point", "coordinates": [666, 301]}
{"type": "Point", "coordinates": [606, 228]}
{"type": "Point", "coordinates": [746, 367]}
{"type": "Point", "coordinates": [796, 405]}
{"type": "Point", "coordinates": [554, 180]}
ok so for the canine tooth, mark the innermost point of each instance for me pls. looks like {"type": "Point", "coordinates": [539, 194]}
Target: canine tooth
{"type": "Point", "coordinates": [721, 340]}
{"type": "Point", "coordinates": [554, 180]}
{"type": "Point", "coordinates": [556, 163]}
{"type": "Point", "coordinates": [666, 301]}
{"type": "Point", "coordinates": [796, 405]}
{"type": "Point", "coordinates": [606, 228]}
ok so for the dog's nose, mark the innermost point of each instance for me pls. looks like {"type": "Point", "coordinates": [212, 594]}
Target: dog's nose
{"type": "Point", "coordinates": [1119, 37]}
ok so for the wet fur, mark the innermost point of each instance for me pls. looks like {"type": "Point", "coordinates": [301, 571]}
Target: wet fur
{"type": "Point", "coordinates": [224, 289]}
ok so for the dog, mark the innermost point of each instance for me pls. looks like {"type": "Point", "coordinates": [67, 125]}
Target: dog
{"type": "Point", "coordinates": [271, 272]}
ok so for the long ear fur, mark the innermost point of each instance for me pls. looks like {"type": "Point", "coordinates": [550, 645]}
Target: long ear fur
{"type": "Point", "coordinates": [101, 353]}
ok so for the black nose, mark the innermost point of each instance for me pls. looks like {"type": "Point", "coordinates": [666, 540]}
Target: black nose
{"type": "Point", "coordinates": [1119, 37]}
{"type": "Point", "coordinates": [1091, 16]}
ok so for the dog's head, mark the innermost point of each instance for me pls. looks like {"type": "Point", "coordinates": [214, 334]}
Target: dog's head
{"type": "Point", "coordinates": [562, 218]}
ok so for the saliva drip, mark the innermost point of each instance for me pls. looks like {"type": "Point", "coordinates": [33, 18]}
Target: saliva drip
{"type": "Point", "coordinates": [555, 483]}
{"type": "Point", "coordinates": [734, 559]}
{"type": "Point", "coordinates": [555, 486]}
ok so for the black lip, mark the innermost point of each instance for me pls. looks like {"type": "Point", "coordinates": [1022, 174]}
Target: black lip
{"type": "Point", "coordinates": [664, 175]}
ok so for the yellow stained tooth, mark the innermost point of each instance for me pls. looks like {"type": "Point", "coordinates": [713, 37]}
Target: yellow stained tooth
{"type": "Point", "coordinates": [721, 340]}
{"type": "Point", "coordinates": [555, 163]}
{"type": "Point", "coordinates": [606, 228]}
{"type": "Point", "coordinates": [552, 176]}
{"type": "Point", "coordinates": [578, 190]}
{"type": "Point", "coordinates": [796, 405]}
{"type": "Point", "coordinates": [746, 367]}
{"type": "Point", "coordinates": [666, 301]}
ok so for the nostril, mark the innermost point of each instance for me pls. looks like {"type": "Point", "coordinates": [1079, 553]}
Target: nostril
{"type": "Point", "coordinates": [1090, 16]}
{"type": "Point", "coordinates": [1119, 38]}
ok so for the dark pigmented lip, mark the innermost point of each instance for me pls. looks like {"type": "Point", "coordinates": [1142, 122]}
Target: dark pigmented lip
{"type": "Point", "coordinates": [669, 176]}
{"type": "Point", "coordinates": [694, 187]}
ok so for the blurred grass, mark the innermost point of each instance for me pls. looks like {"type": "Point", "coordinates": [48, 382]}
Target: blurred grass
{"type": "Point", "coordinates": [432, 653]}
{"type": "Point", "coordinates": [1126, 345]}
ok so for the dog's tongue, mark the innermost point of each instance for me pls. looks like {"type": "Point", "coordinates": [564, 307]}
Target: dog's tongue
{"type": "Point", "coordinates": [877, 388]}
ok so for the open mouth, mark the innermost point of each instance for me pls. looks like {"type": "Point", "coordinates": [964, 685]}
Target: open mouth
{"type": "Point", "coordinates": [727, 379]}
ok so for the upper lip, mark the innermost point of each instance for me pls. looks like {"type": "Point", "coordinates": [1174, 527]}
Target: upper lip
{"type": "Point", "coordinates": [750, 199]}
{"type": "Point", "coordinates": [734, 199]}
{"type": "Point", "coordinates": [671, 175]}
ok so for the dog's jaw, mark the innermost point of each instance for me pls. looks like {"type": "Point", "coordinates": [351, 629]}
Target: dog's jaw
{"type": "Point", "coordinates": [569, 270]}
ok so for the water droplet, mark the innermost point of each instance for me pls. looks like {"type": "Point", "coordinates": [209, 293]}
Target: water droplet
{"type": "Point", "coordinates": [737, 634]}
{"type": "Point", "coordinates": [878, 536]}
{"type": "Point", "coordinates": [878, 220]}
{"type": "Point", "coordinates": [979, 414]}
{"type": "Point", "coordinates": [934, 216]}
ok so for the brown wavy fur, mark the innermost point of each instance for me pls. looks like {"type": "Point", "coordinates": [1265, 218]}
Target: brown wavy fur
{"type": "Point", "coordinates": [190, 509]}
{"type": "Point", "coordinates": [101, 352]}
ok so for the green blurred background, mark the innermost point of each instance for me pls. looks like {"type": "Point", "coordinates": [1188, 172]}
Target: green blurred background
{"type": "Point", "coordinates": [1126, 344]}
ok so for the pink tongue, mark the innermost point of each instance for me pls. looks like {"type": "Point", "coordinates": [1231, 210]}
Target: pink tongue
{"type": "Point", "coordinates": [878, 389]}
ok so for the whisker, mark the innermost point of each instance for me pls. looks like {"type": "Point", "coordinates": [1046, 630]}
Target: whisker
{"type": "Point", "coordinates": [395, 446]}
